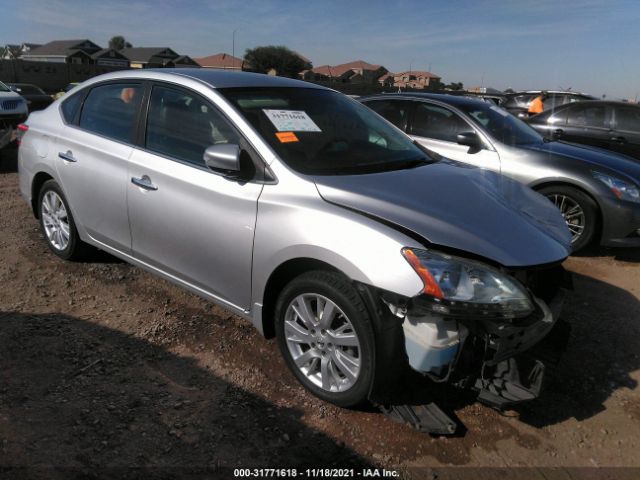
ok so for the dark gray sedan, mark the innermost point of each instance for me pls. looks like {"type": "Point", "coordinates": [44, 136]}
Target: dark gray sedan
{"type": "Point", "coordinates": [597, 192]}
{"type": "Point", "coordinates": [611, 125]}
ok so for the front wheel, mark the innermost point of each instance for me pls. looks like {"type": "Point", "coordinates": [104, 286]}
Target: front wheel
{"type": "Point", "coordinates": [326, 337]}
{"type": "Point", "coordinates": [579, 211]}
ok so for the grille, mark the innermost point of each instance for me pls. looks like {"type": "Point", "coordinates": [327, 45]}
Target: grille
{"type": "Point", "coordinates": [10, 104]}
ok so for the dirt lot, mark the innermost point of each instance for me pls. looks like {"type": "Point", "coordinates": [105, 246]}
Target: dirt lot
{"type": "Point", "coordinates": [105, 367]}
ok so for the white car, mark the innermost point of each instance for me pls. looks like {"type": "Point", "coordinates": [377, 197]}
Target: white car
{"type": "Point", "coordinates": [13, 110]}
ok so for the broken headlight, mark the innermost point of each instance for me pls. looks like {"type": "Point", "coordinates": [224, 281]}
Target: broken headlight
{"type": "Point", "coordinates": [457, 282]}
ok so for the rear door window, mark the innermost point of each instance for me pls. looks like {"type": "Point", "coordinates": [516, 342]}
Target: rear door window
{"type": "Point", "coordinates": [396, 112]}
{"type": "Point", "coordinates": [181, 125]}
{"type": "Point", "coordinates": [436, 122]}
{"type": "Point", "coordinates": [592, 116]}
{"type": "Point", "coordinates": [628, 119]}
{"type": "Point", "coordinates": [111, 110]}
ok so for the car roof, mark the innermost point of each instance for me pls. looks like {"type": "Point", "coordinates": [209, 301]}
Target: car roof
{"type": "Point", "coordinates": [604, 103]}
{"type": "Point", "coordinates": [212, 77]}
{"type": "Point", "coordinates": [552, 92]}
{"type": "Point", "coordinates": [454, 100]}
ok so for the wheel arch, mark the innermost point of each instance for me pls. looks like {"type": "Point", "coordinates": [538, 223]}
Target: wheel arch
{"type": "Point", "coordinates": [39, 180]}
{"type": "Point", "coordinates": [564, 183]}
{"type": "Point", "coordinates": [279, 278]}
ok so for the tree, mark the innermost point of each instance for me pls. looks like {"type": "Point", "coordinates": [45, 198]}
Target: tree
{"type": "Point", "coordinates": [118, 42]}
{"type": "Point", "coordinates": [454, 86]}
{"type": "Point", "coordinates": [435, 84]}
{"type": "Point", "coordinates": [284, 62]}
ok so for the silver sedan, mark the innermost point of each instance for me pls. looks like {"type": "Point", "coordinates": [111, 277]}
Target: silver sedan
{"type": "Point", "coordinates": [302, 211]}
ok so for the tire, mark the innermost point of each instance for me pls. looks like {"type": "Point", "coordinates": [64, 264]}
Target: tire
{"type": "Point", "coordinates": [335, 360]}
{"type": "Point", "coordinates": [57, 224]}
{"type": "Point", "coordinates": [582, 226]}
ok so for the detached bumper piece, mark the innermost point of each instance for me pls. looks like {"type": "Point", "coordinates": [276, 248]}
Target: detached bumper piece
{"type": "Point", "coordinates": [424, 418]}
{"type": "Point", "coordinates": [521, 378]}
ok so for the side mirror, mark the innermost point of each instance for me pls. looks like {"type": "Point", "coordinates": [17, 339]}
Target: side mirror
{"type": "Point", "coordinates": [471, 140]}
{"type": "Point", "coordinates": [223, 159]}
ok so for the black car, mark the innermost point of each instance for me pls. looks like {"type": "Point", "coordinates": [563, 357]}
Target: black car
{"type": "Point", "coordinates": [611, 125]}
{"type": "Point", "coordinates": [34, 95]}
{"type": "Point", "coordinates": [518, 103]}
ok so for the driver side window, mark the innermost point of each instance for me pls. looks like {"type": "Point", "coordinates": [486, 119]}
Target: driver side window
{"type": "Point", "coordinates": [182, 125]}
{"type": "Point", "coordinates": [436, 122]}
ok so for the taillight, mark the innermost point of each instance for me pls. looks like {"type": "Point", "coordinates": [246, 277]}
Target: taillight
{"type": "Point", "coordinates": [22, 129]}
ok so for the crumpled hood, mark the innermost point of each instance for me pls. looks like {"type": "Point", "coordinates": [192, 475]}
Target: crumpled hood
{"type": "Point", "coordinates": [460, 207]}
{"type": "Point", "coordinates": [597, 157]}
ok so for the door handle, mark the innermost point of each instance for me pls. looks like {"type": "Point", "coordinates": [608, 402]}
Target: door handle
{"type": "Point", "coordinates": [67, 157]}
{"type": "Point", "coordinates": [558, 132]}
{"type": "Point", "coordinates": [619, 139]}
{"type": "Point", "coordinates": [144, 182]}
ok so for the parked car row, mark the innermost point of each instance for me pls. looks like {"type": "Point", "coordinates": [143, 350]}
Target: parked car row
{"type": "Point", "coordinates": [360, 247]}
{"type": "Point", "coordinates": [518, 103]}
{"type": "Point", "coordinates": [13, 110]}
{"type": "Point", "coordinates": [596, 191]}
{"type": "Point", "coordinates": [34, 95]}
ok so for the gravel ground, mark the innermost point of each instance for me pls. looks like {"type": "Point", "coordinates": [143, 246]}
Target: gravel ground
{"type": "Point", "coordinates": [106, 368]}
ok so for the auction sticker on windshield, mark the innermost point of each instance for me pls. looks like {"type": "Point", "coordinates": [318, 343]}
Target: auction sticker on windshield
{"type": "Point", "coordinates": [291, 121]}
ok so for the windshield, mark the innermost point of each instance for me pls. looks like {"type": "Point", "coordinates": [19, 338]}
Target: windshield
{"type": "Point", "coordinates": [27, 89]}
{"type": "Point", "coordinates": [318, 131]}
{"type": "Point", "coordinates": [3, 87]}
{"type": "Point", "coordinates": [501, 125]}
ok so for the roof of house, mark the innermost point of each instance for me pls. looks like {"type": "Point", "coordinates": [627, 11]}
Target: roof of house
{"type": "Point", "coordinates": [144, 54]}
{"type": "Point", "coordinates": [184, 59]}
{"type": "Point", "coordinates": [220, 60]}
{"type": "Point", "coordinates": [59, 48]}
{"type": "Point", "coordinates": [14, 49]}
{"type": "Point", "coordinates": [339, 70]}
{"type": "Point", "coordinates": [105, 52]}
{"type": "Point", "coordinates": [418, 73]}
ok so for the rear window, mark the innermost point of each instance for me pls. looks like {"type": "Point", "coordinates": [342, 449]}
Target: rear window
{"type": "Point", "coordinates": [27, 90]}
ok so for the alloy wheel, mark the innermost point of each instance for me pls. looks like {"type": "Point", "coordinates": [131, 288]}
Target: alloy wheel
{"type": "Point", "coordinates": [323, 344]}
{"type": "Point", "coordinates": [55, 220]}
{"type": "Point", "coordinates": [572, 213]}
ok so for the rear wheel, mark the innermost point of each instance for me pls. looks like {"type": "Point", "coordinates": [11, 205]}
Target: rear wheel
{"type": "Point", "coordinates": [326, 337]}
{"type": "Point", "coordinates": [57, 223]}
{"type": "Point", "coordinates": [579, 211]}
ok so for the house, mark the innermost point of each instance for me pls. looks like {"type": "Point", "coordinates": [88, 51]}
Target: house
{"type": "Point", "coordinates": [357, 71]}
{"type": "Point", "coordinates": [415, 79]}
{"type": "Point", "coordinates": [63, 51]}
{"type": "Point", "coordinates": [12, 52]}
{"type": "Point", "coordinates": [222, 61]}
{"type": "Point", "coordinates": [386, 80]}
{"type": "Point", "coordinates": [108, 57]}
{"type": "Point", "coordinates": [485, 90]}
{"type": "Point", "coordinates": [150, 57]}
{"type": "Point", "coordinates": [185, 61]}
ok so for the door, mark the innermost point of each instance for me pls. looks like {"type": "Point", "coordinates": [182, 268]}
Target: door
{"type": "Point", "coordinates": [92, 155]}
{"type": "Point", "coordinates": [625, 135]}
{"type": "Point", "coordinates": [437, 128]}
{"type": "Point", "coordinates": [185, 220]}
{"type": "Point", "coordinates": [587, 123]}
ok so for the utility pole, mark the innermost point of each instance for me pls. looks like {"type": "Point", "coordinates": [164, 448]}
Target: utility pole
{"type": "Point", "coordinates": [233, 49]}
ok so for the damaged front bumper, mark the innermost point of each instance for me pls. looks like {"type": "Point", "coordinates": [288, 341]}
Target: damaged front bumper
{"type": "Point", "coordinates": [504, 359]}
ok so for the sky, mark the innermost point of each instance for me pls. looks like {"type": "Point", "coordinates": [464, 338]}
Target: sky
{"type": "Point", "coordinates": [586, 45]}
